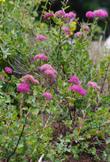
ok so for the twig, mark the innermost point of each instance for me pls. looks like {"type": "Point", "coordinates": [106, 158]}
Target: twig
{"type": "Point", "coordinates": [22, 131]}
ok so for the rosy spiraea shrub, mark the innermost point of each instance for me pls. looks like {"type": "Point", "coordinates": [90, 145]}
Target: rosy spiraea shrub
{"type": "Point", "coordinates": [53, 99]}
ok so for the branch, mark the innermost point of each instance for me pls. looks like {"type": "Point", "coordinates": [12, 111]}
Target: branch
{"type": "Point", "coordinates": [20, 136]}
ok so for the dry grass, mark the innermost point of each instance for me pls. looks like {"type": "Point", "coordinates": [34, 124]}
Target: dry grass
{"type": "Point", "coordinates": [98, 51]}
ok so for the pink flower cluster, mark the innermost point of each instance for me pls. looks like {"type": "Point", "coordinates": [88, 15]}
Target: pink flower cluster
{"type": "Point", "coordinates": [100, 13]}
{"type": "Point", "coordinates": [29, 79]}
{"type": "Point", "coordinates": [90, 14]}
{"type": "Point", "coordinates": [60, 14]}
{"type": "Point", "coordinates": [8, 70]}
{"type": "Point", "coordinates": [48, 71]}
{"type": "Point", "coordinates": [93, 85]}
{"type": "Point", "coordinates": [41, 38]}
{"type": "Point", "coordinates": [66, 30]}
{"type": "Point", "coordinates": [74, 79]}
{"type": "Point", "coordinates": [48, 16]}
{"type": "Point", "coordinates": [47, 95]}
{"type": "Point", "coordinates": [66, 16]}
{"type": "Point", "coordinates": [40, 56]}
{"type": "Point", "coordinates": [70, 15]}
{"type": "Point", "coordinates": [78, 34]}
{"type": "Point", "coordinates": [76, 87]}
{"type": "Point", "coordinates": [63, 14]}
{"type": "Point", "coordinates": [85, 28]}
{"type": "Point", "coordinates": [24, 86]}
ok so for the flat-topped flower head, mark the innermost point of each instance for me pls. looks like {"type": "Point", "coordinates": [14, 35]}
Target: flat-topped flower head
{"type": "Point", "coordinates": [23, 88]}
{"type": "Point", "coordinates": [29, 79]}
{"type": "Point", "coordinates": [8, 70]}
{"type": "Point", "coordinates": [41, 38]}
{"type": "Point", "coordinates": [78, 89]}
{"type": "Point", "coordinates": [60, 13]}
{"type": "Point", "coordinates": [47, 67]}
{"type": "Point", "coordinates": [48, 16]}
{"type": "Point", "coordinates": [93, 85]}
{"type": "Point", "coordinates": [70, 15]}
{"type": "Point", "coordinates": [85, 28]}
{"type": "Point", "coordinates": [40, 56]}
{"type": "Point", "coordinates": [90, 14]}
{"type": "Point", "coordinates": [66, 30]}
{"type": "Point", "coordinates": [78, 34]}
{"type": "Point", "coordinates": [47, 95]}
{"type": "Point", "coordinates": [50, 73]}
{"type": "Point", "coordinates": [101, 13]}
{"type": "Point", "coordinates": [74, 79]}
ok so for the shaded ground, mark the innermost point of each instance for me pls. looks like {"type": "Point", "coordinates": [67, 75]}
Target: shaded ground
{"type": "Point", "coordinates": [84, 158]}
{"type": "Point", "coordinates": [60, 129]}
